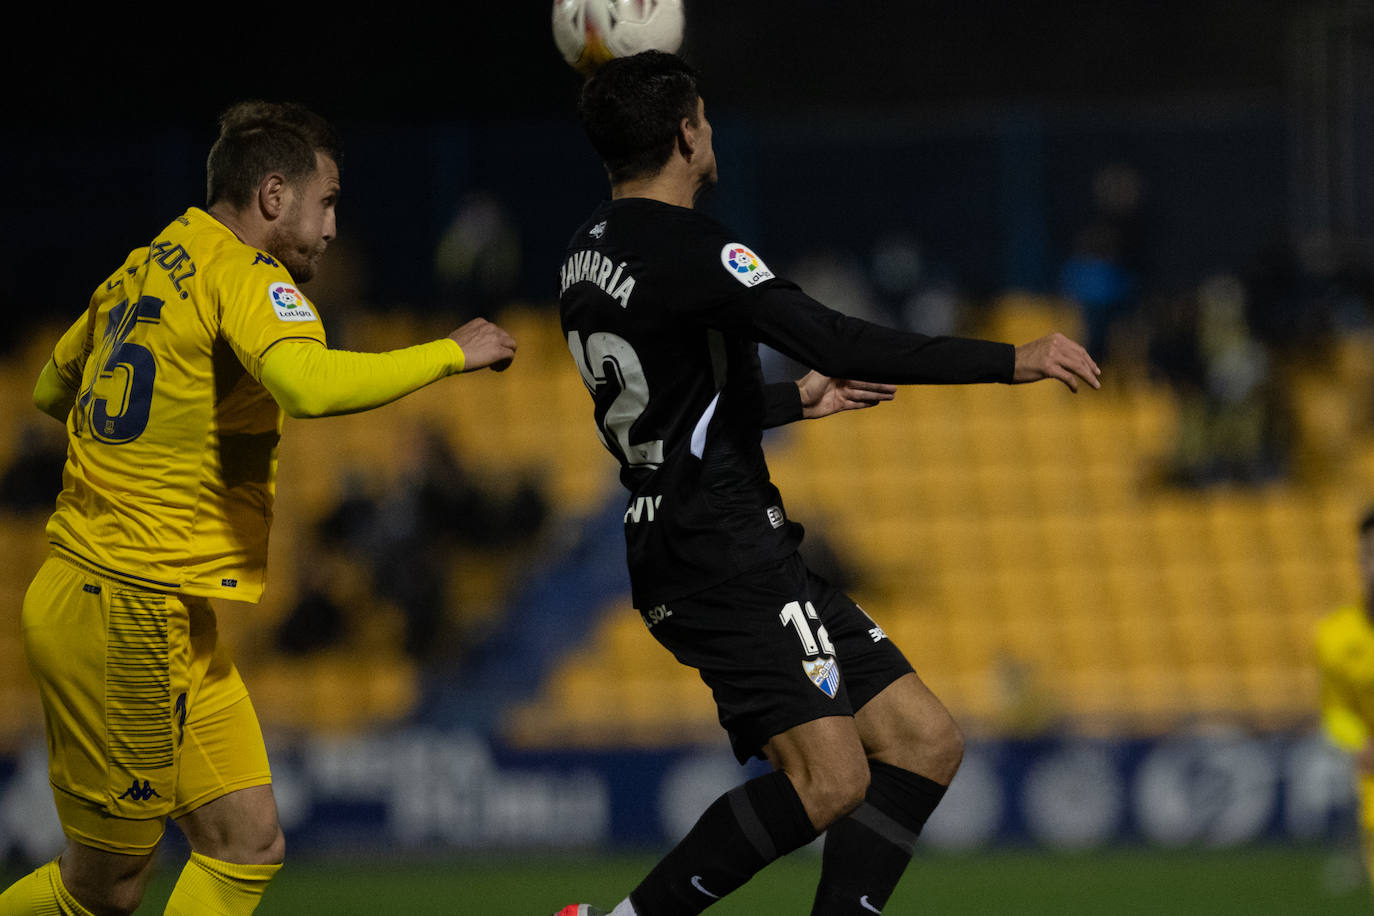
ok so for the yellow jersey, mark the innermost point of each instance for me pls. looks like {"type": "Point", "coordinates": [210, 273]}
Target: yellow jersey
{"type": "Point", "coordinates": [172, 442]}
{"type": "Point", "coordinates": [1345, 655]}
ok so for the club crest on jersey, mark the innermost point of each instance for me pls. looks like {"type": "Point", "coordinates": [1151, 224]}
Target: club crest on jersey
{"type": "Point", "coordinates": [289, 304]}
{"type": "Point", "coordinates": [824, 673]}
{"type": "Point", "coordinates": [744, 265]}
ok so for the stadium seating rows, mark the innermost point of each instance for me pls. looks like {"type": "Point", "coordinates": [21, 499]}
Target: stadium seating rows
{"type": "Point", "coordinates": [1018, 543]}
{"type": "Point", "coordinates": [1013, 540]}
{"type": "Point", "coordinates": [530, 422]}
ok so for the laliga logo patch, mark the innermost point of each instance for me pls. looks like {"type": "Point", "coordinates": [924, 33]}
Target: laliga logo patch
{"type": "Point", "coordinates": [289, 304]}
{"type": "Point", "coordinates": [744, 265]}
{"type": "Point", "coordinates": [824, 673]}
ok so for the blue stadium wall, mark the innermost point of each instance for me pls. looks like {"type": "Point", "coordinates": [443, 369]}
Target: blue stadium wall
{"type": "Point", "coordinates": [433, 791]}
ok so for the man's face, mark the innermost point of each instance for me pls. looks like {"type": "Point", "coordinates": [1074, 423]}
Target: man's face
{"type": "Point", "coordinates": [299, 238]}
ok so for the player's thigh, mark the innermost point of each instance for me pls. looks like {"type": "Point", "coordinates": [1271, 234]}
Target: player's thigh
{"type": "Point", "coordinates": [764, 655]}
{"type": "Point", "coordinates": [907, 726]}
{"type": "Point", "coordinates": [899, 720]}
{"type": "Point", "coordinates": [106, 660]}
{"type": "Point", "coordinates": [224, 796]}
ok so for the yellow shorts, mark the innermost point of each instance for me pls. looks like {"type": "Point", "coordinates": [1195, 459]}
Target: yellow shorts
{"type": "Point", "coordinates": [146, 714]}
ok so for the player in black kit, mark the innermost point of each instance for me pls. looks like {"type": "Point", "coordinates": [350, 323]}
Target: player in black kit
{"type": "Point", "coordinates": [664, 308]}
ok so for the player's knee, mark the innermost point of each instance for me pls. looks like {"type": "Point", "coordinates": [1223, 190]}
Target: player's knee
{"type": "Point", "coordinates": [268, 848]}
{"type": "Point", "coordinates": [947, 750]}
{"type": "Point", "coordinates": [120, 897]}
{"type": "Point", "coordinates": [264, 845]}
{"type": "Point", "coordinates": [831, 791]}
{"type": "Point", "coordinates": [274, 851]}
{"type": "Point", "coordinates": [935, 749]}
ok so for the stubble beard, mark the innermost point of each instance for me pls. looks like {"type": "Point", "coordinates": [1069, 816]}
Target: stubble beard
{"type": "Point", "coordinates": [295, 254]}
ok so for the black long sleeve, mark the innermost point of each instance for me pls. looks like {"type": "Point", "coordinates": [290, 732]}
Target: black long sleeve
{"type": "Point", "coordinates": [841, 346]}
{"type": "Point", "coordinates": [781, 404]}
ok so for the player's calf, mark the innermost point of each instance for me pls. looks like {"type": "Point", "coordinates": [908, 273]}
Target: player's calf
{"type": "Point", "coordinates": [867, 851]}
{"type": "Point", "coordinates": [103, 882]}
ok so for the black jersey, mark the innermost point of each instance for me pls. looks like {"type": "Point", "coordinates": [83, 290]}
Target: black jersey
{"type": "Point", "coordinates": [663, 310]}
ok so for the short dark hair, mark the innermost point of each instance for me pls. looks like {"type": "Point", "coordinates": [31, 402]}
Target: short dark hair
{"type": "Point", "coordinates": [631, 109]}
{"type": "Point", "coordinates": [257, 138]}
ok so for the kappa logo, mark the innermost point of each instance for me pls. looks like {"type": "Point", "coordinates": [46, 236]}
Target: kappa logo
{"type": "Point", "coordinates": [742, 264]}
{"type": "Point", "coordinates": [140, 794]}
{"type": "Point", "coordinates": [598, 230]}
{"type": "Point", "coordinates": [264, 259]}
{"type": "Point", "coordinates": [289, 304]}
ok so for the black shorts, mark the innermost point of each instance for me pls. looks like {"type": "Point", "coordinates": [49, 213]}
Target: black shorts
{"type": "Point", "coordinates": [778, 647]}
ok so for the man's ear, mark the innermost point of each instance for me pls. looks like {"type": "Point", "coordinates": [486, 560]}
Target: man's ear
{"type": "Point", "coordinates": [687, 138]}
{"type": "Point", "coordinates": [273, 196]}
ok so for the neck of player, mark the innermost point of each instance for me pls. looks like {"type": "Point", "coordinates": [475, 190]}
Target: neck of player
{"type": "Point", "coordinates": [244, 229]}
{"type": "Point", "coordinates": [676, 183]}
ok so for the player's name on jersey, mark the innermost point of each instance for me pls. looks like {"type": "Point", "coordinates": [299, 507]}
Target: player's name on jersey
{"type": "Point", "coordinates": [590, 267]}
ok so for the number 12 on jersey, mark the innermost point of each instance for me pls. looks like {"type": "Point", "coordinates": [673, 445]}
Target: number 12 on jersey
{"type": "Point", "coordinates": [817, 644]}
{"type": "Point", "coordinates": [608, 360]}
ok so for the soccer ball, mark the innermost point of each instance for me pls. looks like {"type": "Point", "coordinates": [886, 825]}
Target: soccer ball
{"type": "Point", "coordinates": [590, 32]}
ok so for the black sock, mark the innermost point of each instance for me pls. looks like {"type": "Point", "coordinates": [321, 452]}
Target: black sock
{"type": "Point", "coordinates": [740, 833]}
{"type": "Point", "coordinates": [867, 851]}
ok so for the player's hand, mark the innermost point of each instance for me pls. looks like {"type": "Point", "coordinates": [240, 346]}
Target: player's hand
{"type": "Point", "coordinates": [1055, 356]}
{"type": "Point", "coordinates": [485, 345]}
{"type": "Point", "coordinates": [822, 395]}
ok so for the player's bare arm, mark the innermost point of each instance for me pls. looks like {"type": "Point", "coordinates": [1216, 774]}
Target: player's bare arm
{"type": "Point", "coordinates": [1055, 356]}
{"type": "Point", "coordinates": [485, 345]}
{"type": "Point", "coordinates": [822, 395]}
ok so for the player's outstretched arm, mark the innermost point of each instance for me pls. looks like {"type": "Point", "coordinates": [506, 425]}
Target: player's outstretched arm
{"type": "Point", "coordinates": [485, 345]}
{"type": "Point", "coordinates": [1055, 356]}
{"type": "Point", "coordinates": [822, 395]}
{"type": "Point", "coordinates": [310, 380]}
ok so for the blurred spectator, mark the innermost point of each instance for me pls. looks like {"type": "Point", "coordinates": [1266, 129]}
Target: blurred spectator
{"type": "Point", "coordinates": [836, 279]}
{"type": "Point", "coordinates": [477, 262]}
{"type": "Point", "coordinates": [915, 293]}
{"type": "Point", "coordinates": [1303, 294]}
{"type": "Point", "coordinates": [1025, 706]}
{"type": "Point", "coordinates": [1104, 271]}
{"type": "Point", "coordinates": [1230, 417]}
{"type": "Point", "coordinates": [34, 478]}
{"type": "Point", "coordinates": [402, 549]}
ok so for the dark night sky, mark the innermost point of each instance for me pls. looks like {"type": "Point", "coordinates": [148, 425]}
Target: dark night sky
{"type": "Point", "coordinates": [498, 60]}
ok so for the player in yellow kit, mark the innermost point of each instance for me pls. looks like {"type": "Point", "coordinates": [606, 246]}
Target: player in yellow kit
{"type": "Point", "coordinates": [1345, 653]}
{"type": "Point", "coordinates": [173, 386]}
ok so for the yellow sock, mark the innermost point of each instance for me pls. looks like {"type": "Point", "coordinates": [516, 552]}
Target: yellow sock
{"type": "Point", "coordinates": [209, 887]}
{"type": "Point", "coordinates": [40, 893]}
